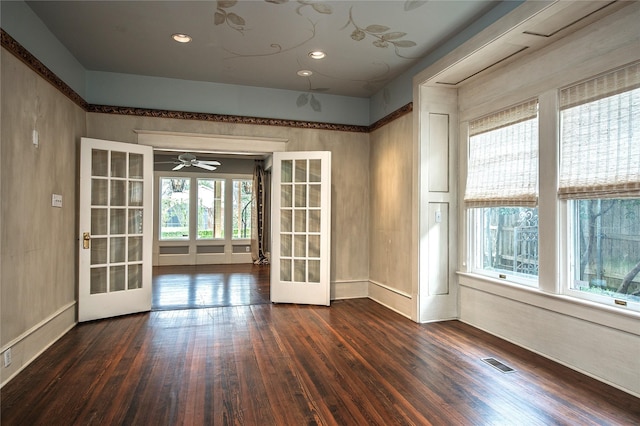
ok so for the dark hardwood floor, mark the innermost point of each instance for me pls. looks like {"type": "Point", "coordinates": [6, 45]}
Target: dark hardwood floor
{"type": "Point", "coordinates": [354, 363]}
{"type": "Point", "coordinates": [206, 286]}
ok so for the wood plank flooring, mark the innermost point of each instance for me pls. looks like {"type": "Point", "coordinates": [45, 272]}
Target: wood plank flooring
{"type": "Point", "coordinates": [354, 363]}
{"type": "Point", "coordinates": [206, 286]}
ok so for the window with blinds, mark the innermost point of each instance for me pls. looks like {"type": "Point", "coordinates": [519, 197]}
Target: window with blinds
{"type": "Point", "coordinates": [600, 176]}
{"type": "Point", "coordinates": [502, 193]}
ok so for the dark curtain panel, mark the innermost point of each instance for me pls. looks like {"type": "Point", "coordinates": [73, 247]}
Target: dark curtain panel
{"type": "Point", "coordinates": [260, 216]}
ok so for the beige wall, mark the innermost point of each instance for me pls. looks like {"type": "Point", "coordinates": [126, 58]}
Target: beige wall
{"type": "Point", "coordinates": [390, 232]}
{"type": "Point", "coordinates": [37, 241]}
{"type": "Point", "coordinates": [350, 175]}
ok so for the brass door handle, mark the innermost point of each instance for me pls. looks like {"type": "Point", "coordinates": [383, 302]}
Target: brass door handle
{"type": "Point", "coordinates": [86, 240]}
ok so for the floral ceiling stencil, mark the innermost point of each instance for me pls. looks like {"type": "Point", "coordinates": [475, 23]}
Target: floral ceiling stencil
{"type": "Point", "coordinates": [310, 15]}
{"type": "Point", "coordinates": [261, 43]}
{"type": "Point", "coordinates": [382, 35]}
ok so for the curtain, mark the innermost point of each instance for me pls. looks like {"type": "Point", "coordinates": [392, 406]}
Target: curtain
{"type": "Point", "coordinates": [600, 137]}
{"type": "Point", "coordinates": [259, 217]}
{"type": "Point", "coordinates": [503, 158]}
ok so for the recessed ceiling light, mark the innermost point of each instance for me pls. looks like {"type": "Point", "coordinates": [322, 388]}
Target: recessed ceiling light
{"type": "Point", "coordinates": [317, 54]}
{"type": "Point", "coordinates": [181, 38]}
{"type": "Point", "coordinates": [305, 73]}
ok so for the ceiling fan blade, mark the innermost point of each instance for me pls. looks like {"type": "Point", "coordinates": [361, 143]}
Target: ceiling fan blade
{"type": "Point", "coordinates": [211, 162]}
{"type": "Point", "coordinates": [204, 166]}
{"type": "Point", "coordinates": [178, 167]}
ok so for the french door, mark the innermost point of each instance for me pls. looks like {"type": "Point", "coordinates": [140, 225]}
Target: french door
{"type": "Point", "coordinates": [115, 229]}
{"type": "Point", "coordinates": [301, 227]}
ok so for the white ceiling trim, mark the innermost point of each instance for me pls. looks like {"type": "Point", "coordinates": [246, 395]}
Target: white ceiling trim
{"type": "Point", "coordinates": [224, 144]}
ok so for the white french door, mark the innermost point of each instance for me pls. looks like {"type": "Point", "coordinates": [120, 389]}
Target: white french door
{"type": "Point", "coordinates": [115, 229]}
{"type": "Point", "coordinates": [301, 227]}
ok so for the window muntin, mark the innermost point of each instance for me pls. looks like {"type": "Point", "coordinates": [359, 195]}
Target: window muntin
{"type": "Point", "coordinates": [600, 175]}
{"type": "Point", "coordinates": [210, 209]}
{"type": "Point", "coordinates": [174, 208]}
{"type": "Point", "coordinates": [501, 194]}
{"type": "Point", "coordinates": [242, 205]}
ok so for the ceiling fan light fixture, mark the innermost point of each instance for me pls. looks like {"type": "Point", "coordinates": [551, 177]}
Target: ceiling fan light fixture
{"type": "Point", "coordinates": [317, 54]}
{"type": "Point", "coordinates": [305, 73]}
{"type": "Point", "coordinates": [181, 38]}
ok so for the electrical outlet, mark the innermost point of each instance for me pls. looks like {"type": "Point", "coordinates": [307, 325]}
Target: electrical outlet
{"type": "Point", "coordinates": [247, 249]}
{"type": "Point", "coordinates": [7, 358]}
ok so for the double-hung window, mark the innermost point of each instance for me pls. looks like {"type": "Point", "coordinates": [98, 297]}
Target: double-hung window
{"type": "Point", "coordinates": [600, 176]}
{"type": "Point", "coordinates": [502, 192]}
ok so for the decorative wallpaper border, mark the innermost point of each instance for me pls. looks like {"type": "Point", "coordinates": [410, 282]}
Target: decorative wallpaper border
{"type": "Point", "coordinates": [39, 68]}
{"type": "Point", "coordinates": [32, 62]}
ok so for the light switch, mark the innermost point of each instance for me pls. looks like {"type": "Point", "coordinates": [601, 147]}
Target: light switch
{"type": "Point", "coordinates": [438, 216]}
{"type": "Point", "coordinates": [56, 200]}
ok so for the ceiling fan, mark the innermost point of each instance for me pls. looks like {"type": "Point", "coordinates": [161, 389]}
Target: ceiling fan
{"type": "Point", "coordinates": [188, 160]}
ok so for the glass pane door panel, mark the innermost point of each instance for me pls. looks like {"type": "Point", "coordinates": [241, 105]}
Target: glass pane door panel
{"type": "Point", "coordinates": [314, 195]}
{"type": "Point", "coordinates": [301, 195]}
{"type": "Point", "coordinates": [300, 246]}
{"type": "Point", "coordinates": [99, 192]}
{"type": "Point", "coordinates": [314, 245]}
{"type": "Point", "coordinates": [117, 249]}
{"type": "Point", "coordinates": [287, 166]}
{"type": "Point", "coordinates": [301, 170]}
{"type": "Point", "coordinates": [134, 249]}
{"type": "Point", "coordinates": [285, 270]}
{"type": "Point", "coordinates": [118, 164]}
{"type": "Point", "coordinates": [287, 196]}
{"type": "Point", "coordinates": [98, 222]}
{"type": "Point", "coordinates": [98, 280]}
{"type": "Point", "coordinates": [314, 271]}
{"type": "Point", "coordinates": [314, 220]}
{"type": "Point", "coordinates": [134, 277]}
{"type": "Point", "coordinates": [98, 251]}
{"type": "Point", "coordinates": [285, 245]}
{"type": "Point", "coordinates": [118, 221]}
{"type": "Point", "coordinates": [135, 193]}
{"type": "Point", "coordinates": [135, 221]}
{"type": "Point", "coordinates": [300, 270]}
{"type": "Point", "coordinates": [315, 172]}
{"type": "Point", "coordinates": [301, 220]}
{"type": "Point", "coordinates": [136, 166]}
{"type": "Point", "coordinates": [118, 195]}
{"type": "Point", "coordinates": [117, 278]}
{"type": "Point", "coordinates": [285, 221]}
{"type": "Point", "coordinates": [99, 162]}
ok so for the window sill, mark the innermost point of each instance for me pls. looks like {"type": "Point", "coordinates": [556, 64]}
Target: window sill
{"type": "Point", "coordinates": [608, 316]}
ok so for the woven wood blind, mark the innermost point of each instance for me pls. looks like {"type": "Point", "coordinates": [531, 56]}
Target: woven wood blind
{"type": "Point", "coordinates": [503, 158]}
{"type": "Point", "coordinates": [600, 137]}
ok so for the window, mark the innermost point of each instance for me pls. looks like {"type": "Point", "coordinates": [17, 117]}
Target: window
{"type": "Point", "coordinates": [600, 176]}
{"type": "Point", "coordinates": [242, 203]}
{"type": "Point", "coordinates": [210, 208]}
{"type": "Point", "coordinates": [501, 193]}
{"type": "Point", "coordinates": [174, 208]}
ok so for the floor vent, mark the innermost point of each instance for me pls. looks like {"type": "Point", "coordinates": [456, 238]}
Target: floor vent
{"type": "Point", "coordinates": [498, 365]}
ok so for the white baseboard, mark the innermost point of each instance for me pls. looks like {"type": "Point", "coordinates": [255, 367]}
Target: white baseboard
{"type": "Point", "coordinates": [391, 298]}
{"type": "Point", "coordinates": [33, 342]}
{"type": "Point", "coordinates": [351, 289]}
